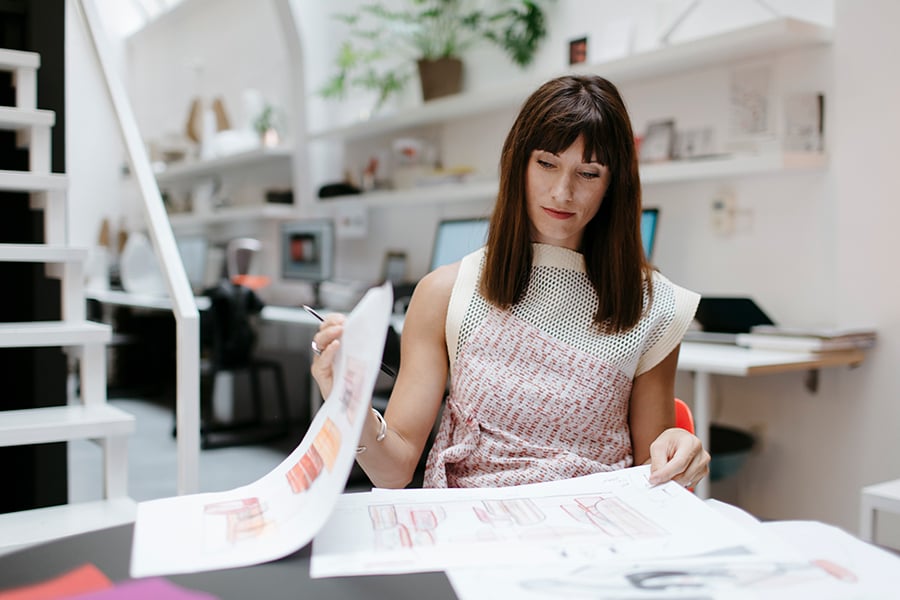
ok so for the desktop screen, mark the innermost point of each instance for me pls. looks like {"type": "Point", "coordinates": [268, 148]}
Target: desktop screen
{"type": "Point", "coordinates": [193, 250]}
{"type": "Point", "coordinates": [307, 250]}
{"type": "Point", "coordinates": [649, 220]}
{"type": "Point", "coordinates": [457, 237]}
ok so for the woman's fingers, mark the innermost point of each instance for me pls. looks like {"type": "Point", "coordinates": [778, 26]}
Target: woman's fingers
{"type": "Point", "coordinates": [677, 455]}
{"type": "Point", "coordinates": [324, 347]}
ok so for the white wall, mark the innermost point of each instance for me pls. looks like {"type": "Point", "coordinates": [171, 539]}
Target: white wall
{"type": "Point", "coordinates": [810, 247]}
{"type": "Point", "coordinates": [94, 152]}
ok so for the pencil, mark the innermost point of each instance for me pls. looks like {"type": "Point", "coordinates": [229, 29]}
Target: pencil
{"type": "Point", "coordinates": [384, 368]}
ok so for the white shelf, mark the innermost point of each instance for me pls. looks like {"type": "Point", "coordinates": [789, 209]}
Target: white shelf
{"type": "Point", "coordinates": [63, 423]}
{"type": "Point", "coordinates": [456, 192]}
{"type": "Point", "coordinates": [234, 214]}
{"type": "Point", "coordinates": [187, 171]}
{"type": "Point", "coordinates": [731, 166]}
{"type": "Point", "coordinates": [775, 36]}
{"type": "Point", "coordinates": [669, 172]}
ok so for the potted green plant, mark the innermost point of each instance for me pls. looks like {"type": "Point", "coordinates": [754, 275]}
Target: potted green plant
{"type": "Point", "coordinates": [388, 45]}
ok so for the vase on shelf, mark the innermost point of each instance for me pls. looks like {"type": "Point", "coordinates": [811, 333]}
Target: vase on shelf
{"type": "Point", "coordinates": [440, 77]}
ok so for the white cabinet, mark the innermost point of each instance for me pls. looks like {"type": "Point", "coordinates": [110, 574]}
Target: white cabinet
{"type": "Point", "coordinates": [767, 39]}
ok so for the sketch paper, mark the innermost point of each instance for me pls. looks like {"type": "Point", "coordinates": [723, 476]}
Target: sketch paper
{"type": "Point", "coordinates": [283, 510]}
{"type": "Point", "coordinates": [790, 560]}
{"type": "Point", "coordinates": [599, 517]}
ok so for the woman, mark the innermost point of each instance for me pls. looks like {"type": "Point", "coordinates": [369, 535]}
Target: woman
{"type": "Point", "coordinates": [560, 340]}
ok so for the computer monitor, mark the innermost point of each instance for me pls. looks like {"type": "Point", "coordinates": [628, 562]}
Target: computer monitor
{"type": "Point", "coordinates": [457, 237]}
{"type": "Point", "coordinates": [307, 250]}
{"type": "Point", "coordinates": [649, 220]}
{"type": "Point", "coordinates": [194, 256]}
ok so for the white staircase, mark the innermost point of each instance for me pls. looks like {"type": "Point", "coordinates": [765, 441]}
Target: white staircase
{"type": "Point", "coordinates": [87, 416]}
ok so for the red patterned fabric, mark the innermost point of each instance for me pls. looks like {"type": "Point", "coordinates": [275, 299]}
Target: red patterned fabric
{"type": "Point", "coordinates": [536, 410]}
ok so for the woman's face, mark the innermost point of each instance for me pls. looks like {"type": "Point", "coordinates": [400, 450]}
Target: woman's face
{"type": "Point", "coordinates": [563, 193]}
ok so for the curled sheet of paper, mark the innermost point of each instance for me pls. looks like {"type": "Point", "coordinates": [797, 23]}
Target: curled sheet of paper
{"type": "Point", "coordinates": [282, 511]}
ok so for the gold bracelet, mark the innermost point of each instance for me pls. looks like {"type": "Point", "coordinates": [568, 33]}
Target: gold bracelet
{"type": "Point", "coordinates": [382, 431]}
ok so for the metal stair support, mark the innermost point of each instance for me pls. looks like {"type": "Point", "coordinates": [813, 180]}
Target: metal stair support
{"type": "Point", "coordinates": [87, 416]}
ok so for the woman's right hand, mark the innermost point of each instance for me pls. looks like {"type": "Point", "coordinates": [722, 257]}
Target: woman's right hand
{"type": "Point", "coordinates": [327, 340]}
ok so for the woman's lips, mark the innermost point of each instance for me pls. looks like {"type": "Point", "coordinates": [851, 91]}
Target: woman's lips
{"type": "Point", "coordinates": [557, 214]}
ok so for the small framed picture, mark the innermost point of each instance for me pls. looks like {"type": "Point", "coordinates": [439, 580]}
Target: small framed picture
{"type": "Point", "coordinates": [578, 51]}
{"type": "Point", "coordinates": [658, 144]}
{"type": "Point", "coordinates": [394, 269]}
{"type": "Point", "coordinates": [694, 143]}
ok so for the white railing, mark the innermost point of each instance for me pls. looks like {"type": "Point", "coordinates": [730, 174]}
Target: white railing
{"type": "Point", "coordinates": [184, 308]}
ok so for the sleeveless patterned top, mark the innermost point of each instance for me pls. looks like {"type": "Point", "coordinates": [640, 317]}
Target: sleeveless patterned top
{"type": "Point", "coordinates": [536, 392]}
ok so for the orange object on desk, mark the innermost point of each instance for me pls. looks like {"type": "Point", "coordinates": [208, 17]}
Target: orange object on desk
{"type": "Point", "coordinates": [86, 578]}
{"type": "Point", "coordinates": [254, 282]}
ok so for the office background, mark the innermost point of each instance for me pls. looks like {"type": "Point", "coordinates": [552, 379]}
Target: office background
{"type": "Point", "coordinates": [810, 247]}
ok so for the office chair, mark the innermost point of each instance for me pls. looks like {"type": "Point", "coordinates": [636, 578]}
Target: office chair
{"type": "Point", "coordinates": [684, 418]}
{"type": "Point", "coordinates": [228, 338]}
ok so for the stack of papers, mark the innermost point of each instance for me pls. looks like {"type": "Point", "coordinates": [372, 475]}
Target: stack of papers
{"type": "Point", "coordinates": [608, 535]}
{"type": "Point", "coordinates": [807, 339]}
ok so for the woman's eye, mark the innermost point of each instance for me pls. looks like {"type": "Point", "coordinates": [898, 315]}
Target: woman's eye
{"type": "Point", "coordinates": [544, 163]}
{"type": "Point", "coordinates": [590, 175]}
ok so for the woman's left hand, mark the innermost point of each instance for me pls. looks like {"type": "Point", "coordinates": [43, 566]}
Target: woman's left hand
{"type": "Point", "coordinates": [678, 455]}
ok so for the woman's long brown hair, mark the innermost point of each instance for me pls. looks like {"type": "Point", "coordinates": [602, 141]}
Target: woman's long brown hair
{"type": "Point", "coordinates": [551, 120]}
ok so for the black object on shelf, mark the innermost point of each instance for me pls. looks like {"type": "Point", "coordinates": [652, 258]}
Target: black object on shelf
{"type": "Point", "coordinates": [330, 190]}
{"type": "Point", "coordinates": [280, 196]}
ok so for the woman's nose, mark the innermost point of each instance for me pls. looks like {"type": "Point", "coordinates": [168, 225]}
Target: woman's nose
{"type": "Point", "coordinates": [562, 189]}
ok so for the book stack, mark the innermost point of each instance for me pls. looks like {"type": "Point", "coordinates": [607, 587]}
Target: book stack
{"type": "Point", "coordinates": [807, 339]}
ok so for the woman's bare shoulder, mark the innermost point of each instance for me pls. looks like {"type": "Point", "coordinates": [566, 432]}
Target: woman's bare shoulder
{"type": "Point", "coordinates": [432, 294]}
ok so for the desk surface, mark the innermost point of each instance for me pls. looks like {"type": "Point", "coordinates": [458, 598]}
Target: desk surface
{"type": "Point", "coordinates": [270, 312]}
{"type": "Point", "coordinates": [110, 551]}
{"type": "Point", "coordinates": [726, 359]}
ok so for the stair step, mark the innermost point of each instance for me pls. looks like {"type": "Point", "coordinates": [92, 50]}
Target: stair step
{"type": "Point", "coordinates": [25, 528]}
{"type": "Point", "coordinates": [12, 118]}
{"type": "Point", "coordinates": [23, 181]}
{"type": "Point", "coordinates": [40, 334]}
{"type": "Point", "coordinates": [12, 59]}
{"type": "Point", "coordinates": [41, 253]}
{"type": "Point", "coordinates": [62, 424]}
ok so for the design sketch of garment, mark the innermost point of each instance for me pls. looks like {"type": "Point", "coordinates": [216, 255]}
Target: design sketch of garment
{"type": "Point", "coordinates": [613, 517]}
{"type": "Point", "coordinates": [405, 526]}
{"type": "Point", "coordinates": [537, 393]}
{"type": "Point", "coordinates": [743, 577]}
{"type": "Point", "coordinates": [515, 511]}
{"type": "Point", "coordinates": [243, 519]}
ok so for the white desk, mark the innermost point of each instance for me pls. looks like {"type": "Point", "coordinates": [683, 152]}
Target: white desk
{"type": "Point", "coordinates": [702, 359]}
{"type": "Point", "coordinates": [705, 360]}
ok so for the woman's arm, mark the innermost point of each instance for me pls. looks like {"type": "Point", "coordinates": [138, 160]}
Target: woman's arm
{"type": "Point", "coordinates": [652, 407]}
{"type": "Point", "coordinates": [673, 453]}
{"type": "Point", "coordinates": [419, 389]}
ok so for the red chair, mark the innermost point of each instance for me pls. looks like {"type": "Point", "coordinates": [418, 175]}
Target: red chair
{"type": "Point", "coordinates": [684, 419]}
{"type": "Point", "coordinates": [683, 416]}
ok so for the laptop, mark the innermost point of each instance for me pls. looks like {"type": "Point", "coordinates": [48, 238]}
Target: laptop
{"type": "Point", "coordinates": [723, 318]}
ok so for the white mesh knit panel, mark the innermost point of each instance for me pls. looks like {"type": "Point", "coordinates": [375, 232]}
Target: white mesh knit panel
{"type": "Point", "coordinates": [561, 302]}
